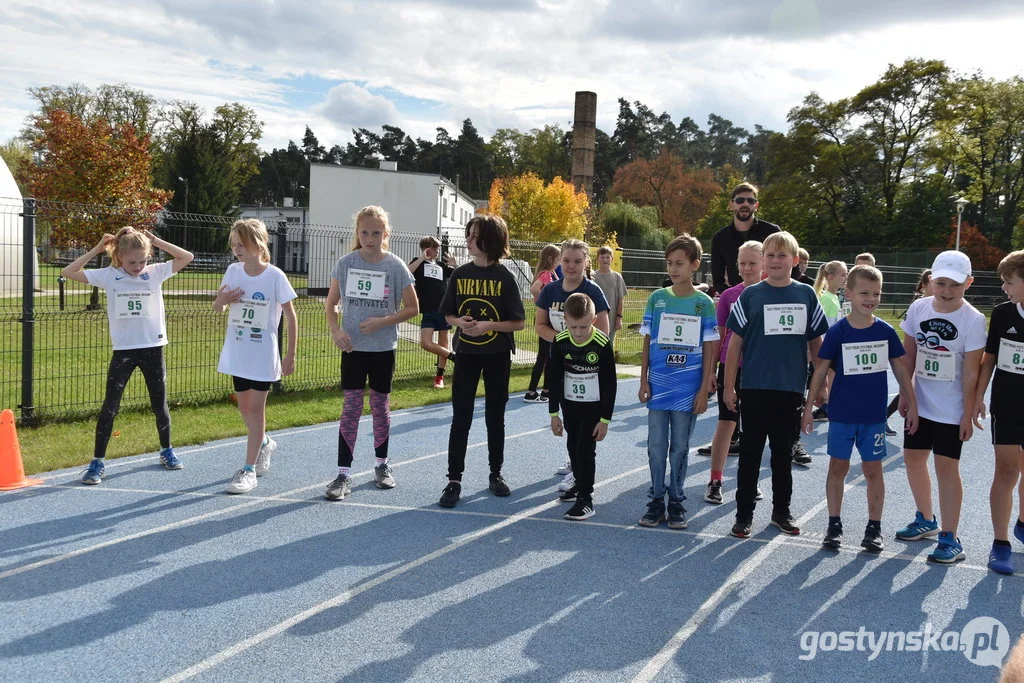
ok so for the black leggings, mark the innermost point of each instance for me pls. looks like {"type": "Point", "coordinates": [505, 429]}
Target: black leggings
{"type": "Point", "coordinates": [495, 368]}
{"type": "Point", "coordinates": [123, 363]}
{"type": "Point", "coordinates": [894, 405]}
{"type": "Point", "coordinates": [541, 364]}
{"type": "Point", "coordinates": [579, 423]}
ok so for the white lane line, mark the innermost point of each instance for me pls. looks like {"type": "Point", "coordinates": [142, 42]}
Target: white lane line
{"type": "Point", "coordinates": [736, 578]}
{"type": "Point", "coordinates": [215, 513]}
{"type": "Point", "coordinates": [348, 595]}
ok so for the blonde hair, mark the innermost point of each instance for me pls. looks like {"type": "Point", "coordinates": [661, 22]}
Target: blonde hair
{"type": "Point", "coordinates": [547, 260]}
{"type": "Point", "coordinates": [782, 241]}
{"type": "Point", "coordinates": [374, 212]}
{"type": "Point", "coordinates": [253, 233]}
{"type": "Point", "coordinates": [827, 270]}
{"type": "Point", "coordinates": [128, 239]}
{"type": "Point", "coordinates": [864, 272]}
{"type": "Point", "coordinates": [867, 257]}
{"type": "Point", "coordinates": [752, 244]}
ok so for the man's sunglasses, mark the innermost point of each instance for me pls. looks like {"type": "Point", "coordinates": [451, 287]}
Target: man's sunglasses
{"type": "Point", "coordinates": [748, 200]}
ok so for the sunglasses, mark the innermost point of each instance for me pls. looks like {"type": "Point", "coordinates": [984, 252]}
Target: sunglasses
{"type": "Point", "coordinates": [930, 341]}
{"type": "Point", "coordinates": [748, 200]}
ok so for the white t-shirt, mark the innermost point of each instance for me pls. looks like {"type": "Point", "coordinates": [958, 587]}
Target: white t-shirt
{"type": "Point", "coordinates": [249, 351]}
{"type": "Point", "coordinates": [135, 305]}
{"type": "Point", "coordinates": [942, 340]}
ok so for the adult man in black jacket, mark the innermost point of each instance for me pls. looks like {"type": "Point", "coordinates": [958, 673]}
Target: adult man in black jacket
{"type": "Point", "coordinates": [725, 245]}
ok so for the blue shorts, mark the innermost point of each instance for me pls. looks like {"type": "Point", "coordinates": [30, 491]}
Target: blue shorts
{"type": "Point", "coordinates": [869, 438]}
{"type": "Point", "coordinates": [434, 320]}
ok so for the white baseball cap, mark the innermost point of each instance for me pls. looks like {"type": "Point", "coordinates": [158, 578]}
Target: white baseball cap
{"type": "Point", "coordinates": [954, 265]}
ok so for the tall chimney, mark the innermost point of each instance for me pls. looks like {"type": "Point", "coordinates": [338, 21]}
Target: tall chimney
{"type": "Point", "coordinates": [584, 130]}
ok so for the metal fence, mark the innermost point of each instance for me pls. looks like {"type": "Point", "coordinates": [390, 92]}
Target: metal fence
{"type": "Point", "coordinates": [56, 347]}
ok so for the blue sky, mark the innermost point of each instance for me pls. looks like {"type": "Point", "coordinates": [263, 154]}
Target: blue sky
{"type": "Point", "coordinates": [420, 64]}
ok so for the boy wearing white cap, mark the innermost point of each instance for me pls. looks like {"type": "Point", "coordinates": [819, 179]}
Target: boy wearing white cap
{"type": "Point", "coordinates": [944, 337]}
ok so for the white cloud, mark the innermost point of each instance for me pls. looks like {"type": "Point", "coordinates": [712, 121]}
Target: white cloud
{"type": "Point", "coordinates": [349, 105]}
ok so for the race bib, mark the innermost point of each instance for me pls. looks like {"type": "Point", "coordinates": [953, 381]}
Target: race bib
{"type": "Point", "coordinates": [1011, 356]}
{"type": "Point", "coordinates": [365, 284]}
{"type": "Point", "coordinates": [865, 358]}
{"type": "Point", "coordinates": [133, 305]}
{"type": "Point", "coordinates": [847, 308]}
{"type": "Point", "coordinates": [582, 388]}
{"type": "Point", "coordinates": [557, 320]}
{"type": "Point", "coordinates": [938, 365]}
{"type": "Point", "coordinates": [254, 313]}
{"type": "Point", "coordinates": [433, 270]}
{"type": "Point", "coordinates": [679, 330]}
{"type": "Point", "coordinates": [785, 319]}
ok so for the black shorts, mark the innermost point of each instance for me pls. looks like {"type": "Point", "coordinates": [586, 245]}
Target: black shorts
{"type": "Point", "coordinates": [1007, 431]}
{"type": "Point", "coordinates": [724, 414]}
{"type": "Point", "coordinates": [242, 384]}
{"type": "Point", "coordinates": [378, 366]}
{"type": "Point", "coordinates": [938, 437]}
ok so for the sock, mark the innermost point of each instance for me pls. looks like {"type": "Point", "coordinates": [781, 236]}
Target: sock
{"type": "Point", "coordinates": [455, 481]}
{"type": "Point", "coordinates": [249, 468]}
{"type": "Point", "coordinates": [1005, 544]}
{"type": "Point", "coordinates": [834, 520]}
{"type": "Point", "coordinates": [381, 461]}
{"type": "Point", "coordinates": [440, 372]}
{"type": "Point", "coordinates": [876, 523]}
{"type": "Point", "coordinates": [345, 470]}
{"type": "Point", "coordinates": [716, 475]}
{"type": "Point", "coordinates": [266, 440]}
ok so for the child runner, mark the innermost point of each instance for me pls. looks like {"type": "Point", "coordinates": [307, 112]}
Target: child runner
{"type": "Point", "coordinates": [375, 291]}
{"type": "Point", "coordinates": [774, 323]}
{"type": "Point", "coordinates": [543, 276]}
{"type": "Point", "coordinates": [923, 289]}
{"type": "Point", "coordinates": [583, 383]}
{"type": "Point", "coordinates": [431, 277]}
{"type": "Point", "coordinates": [676, 368]}
{"type": "Point", "coordinates": [1004, 356]}
{"type": "Point", "coordinates": [945, 338]}
{"type": "Point", "coordinates": [831, 278]}
{"type": "Point", "coordinates": [549, 320]}
{"type": "Point", "coordinates": [257, 294]}
{"type": "Point", "coordinates": [614, 289]}
{"type": "Point", "coordinates": [483, 302]}
{"type": "Point", "coordinates": [859, 348]}
{"type": "Point", "coordinates": [750, 263]}
{"type": "Point", "coordinates": [138, 330]}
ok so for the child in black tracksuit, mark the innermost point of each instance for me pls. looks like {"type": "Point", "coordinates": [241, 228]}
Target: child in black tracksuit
{"type": "Point", "coordinates": [581, 379]}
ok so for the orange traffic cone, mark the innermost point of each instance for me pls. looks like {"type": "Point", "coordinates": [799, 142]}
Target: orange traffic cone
{"type": "Point", "coordinates": [12, 472]}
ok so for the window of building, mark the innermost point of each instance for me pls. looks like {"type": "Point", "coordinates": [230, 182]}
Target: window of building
{"type": "Point", "coordinates": [444, 207]}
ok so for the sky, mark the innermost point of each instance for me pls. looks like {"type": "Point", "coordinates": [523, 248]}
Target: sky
{"type": "Point", "coordinates": [421, 64]}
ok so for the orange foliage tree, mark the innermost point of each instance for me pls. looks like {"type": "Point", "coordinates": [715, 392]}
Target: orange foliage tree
{"type": "Point", "coordinates": [681, 196]}
{"type": "Point", "coordinates": [983, 254]}
{"type": "Point", "coordinates": [93, 177]}
{"type": "Point", "coordinates": [537, 212]}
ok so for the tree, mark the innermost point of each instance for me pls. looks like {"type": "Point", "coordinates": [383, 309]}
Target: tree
{"type": "Point", "coordinates": [17, 154]}
{"type": "Point", "coordinates": [681, 196]}
{"type": "Point", "coordinates": [471, 162]}
{"type": "Point", "coordinates": [984, 256]}
{"type": "Point", "coordinates": [636, 227]}
{"type": "Point", "coordinates": [537, 212]}
{"type": "Point", "coordinates": [311, 147]}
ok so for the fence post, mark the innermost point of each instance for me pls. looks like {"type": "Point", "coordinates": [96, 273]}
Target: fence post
{"type": "Point", "coordinates": [28, 307]}
{"type": "Point", "coordinates": [280, 246]}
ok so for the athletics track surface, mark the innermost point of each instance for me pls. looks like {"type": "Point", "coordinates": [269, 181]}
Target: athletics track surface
{"type": "Point", "coordinates": [157, 575]}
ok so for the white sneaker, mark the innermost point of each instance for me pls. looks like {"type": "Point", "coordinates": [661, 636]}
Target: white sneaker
{"type": "Point", "coordinates": [567, 483]}
{"type": "Point", "coordinates": [263, 457]}
{"type": "Point", "coordinates": [564, 469]}
{"type": "Point", "coordinates": [243, 482]}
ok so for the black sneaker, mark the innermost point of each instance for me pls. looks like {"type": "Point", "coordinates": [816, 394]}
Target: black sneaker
{"type": "Point", "coordinates": [786, 525]}
{"type": "Point", "coordinates": [534, 397]}
{"type": "Point", "coordinates": [889, 431]}
{"type": "Point", "coordinates": [450, 495]}
{"type": "Point", "coordinates": [583, 509]}
{"type": "Point", "coordinates": [655, 513]}
{"type": "Point", "coordinates": [734, 447]}
{"type": "Point", "coordinates": [713, 494]}
{"type": "Point", "coordinates": [741, 529]}
{"type": "Point", "coordinates": [498, 486]}
{"type": "Point", "coordinates": [834, 536]}
{"type": "Point", "coordinates": [676, 516]}
{"type": "Point", "coordinates": [820, 415]}
{"type": "Point", "coordinates": [758, 494]}
{"type": "Point", "coordinates": [568, 496]}
{"type": "Point", "coordinates": [800, 455]}
{"type": "Point", "coordinates": [872, 539]}
{"type": "Point", "coordinates": [704, 450]}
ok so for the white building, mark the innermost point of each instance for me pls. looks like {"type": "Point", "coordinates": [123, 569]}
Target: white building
{"type": "Point", "coordinates": [417, 203]}
{"type": "Point", "coordinates": [294, 220]}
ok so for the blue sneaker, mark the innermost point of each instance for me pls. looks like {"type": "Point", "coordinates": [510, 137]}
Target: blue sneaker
{"type": "Point", "coordinates": [94, 474]}
{"type": "Point", "coordinates": [999, 559]}
{"type": "Point", "coordinates": [169, 460]}
{"type": "Point", "coordinates": [1018, 532]}
{"type": "Point", "coordinates": [948, 550]}
{"type": "Point", "coordinates": [918, 529]}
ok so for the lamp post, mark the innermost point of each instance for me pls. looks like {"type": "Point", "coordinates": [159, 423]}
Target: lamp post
{"type": "Point", "coordinates": [185, 180]}
{"type": "Point", "coordinates": [960, 204]}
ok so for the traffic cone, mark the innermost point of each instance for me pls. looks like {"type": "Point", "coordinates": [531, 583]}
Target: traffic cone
{"type": "Point", "coordinates": [12, 472]}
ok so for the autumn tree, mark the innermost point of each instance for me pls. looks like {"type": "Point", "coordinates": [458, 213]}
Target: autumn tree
{"type": "Point", "coordinates": [984, 255]}
{"type": "Point", "coordinates": [537, 212]}
{"type": "Point", "coordinates": [681, 196]}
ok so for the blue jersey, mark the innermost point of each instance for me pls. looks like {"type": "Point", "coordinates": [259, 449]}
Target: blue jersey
{"type": "Point", "coordinates": [678, 327]}
{"type": "Point", "coordinates": [860, 357]}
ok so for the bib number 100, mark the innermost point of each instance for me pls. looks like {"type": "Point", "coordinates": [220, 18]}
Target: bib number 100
{"type": "Point", "coordinates": [872, 358]}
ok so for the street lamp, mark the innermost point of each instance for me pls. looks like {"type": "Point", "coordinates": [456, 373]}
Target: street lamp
{"type": "Point", "coordinates": [185, 180]}
{"type": "Point", "coordinates": [960, 204]}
